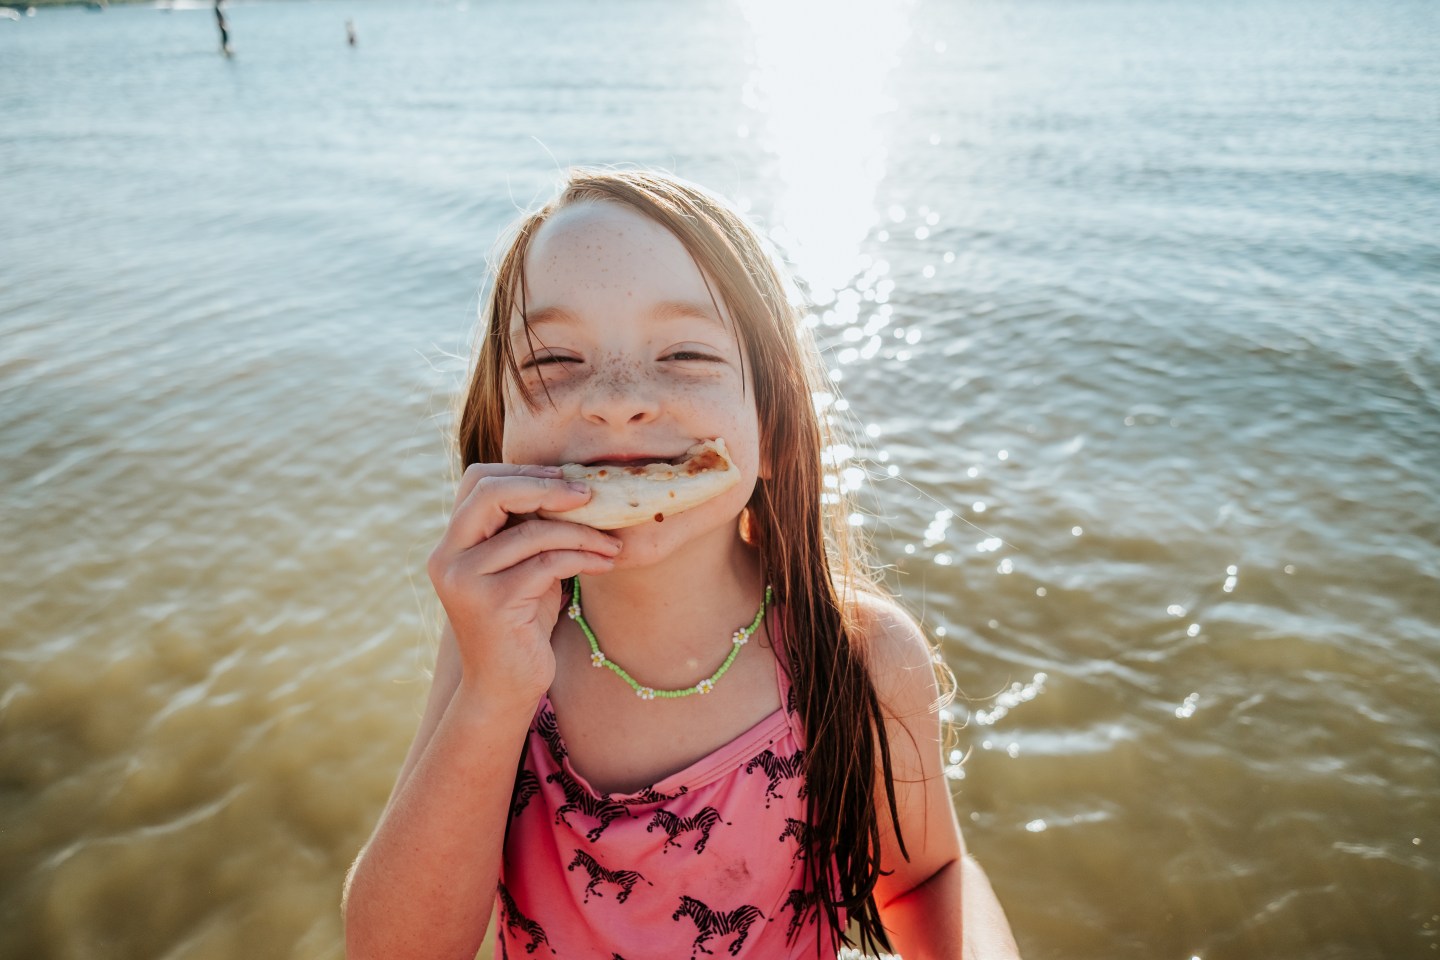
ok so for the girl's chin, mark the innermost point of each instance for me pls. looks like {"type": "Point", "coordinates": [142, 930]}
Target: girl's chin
{"type": "Point", "coordinates": [647, 544]}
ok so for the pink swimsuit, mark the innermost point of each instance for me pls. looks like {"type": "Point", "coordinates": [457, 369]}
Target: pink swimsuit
{"type": "Point", "coordinates": [704, 861]}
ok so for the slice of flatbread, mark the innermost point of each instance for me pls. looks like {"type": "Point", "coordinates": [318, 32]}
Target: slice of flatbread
{"type": "Point", "coordinates": [624, 496]}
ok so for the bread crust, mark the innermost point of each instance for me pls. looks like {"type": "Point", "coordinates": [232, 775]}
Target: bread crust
{"type": "Point", "coordinates": [624, 496]}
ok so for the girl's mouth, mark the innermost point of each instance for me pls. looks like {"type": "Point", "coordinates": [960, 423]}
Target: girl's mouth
{"type": "Point", "coordinates": [637, 461]}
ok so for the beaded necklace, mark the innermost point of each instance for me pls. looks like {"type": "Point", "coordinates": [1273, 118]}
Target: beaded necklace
{"type": "Point", "coordinates": [598, 659]}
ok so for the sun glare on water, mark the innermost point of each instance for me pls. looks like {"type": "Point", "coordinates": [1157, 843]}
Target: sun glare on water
{"type": "Point", "coordinates": [819, 83]}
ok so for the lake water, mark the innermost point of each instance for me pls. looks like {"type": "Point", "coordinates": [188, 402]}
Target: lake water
{"type": "Point", "coordinates": [1135, 307]}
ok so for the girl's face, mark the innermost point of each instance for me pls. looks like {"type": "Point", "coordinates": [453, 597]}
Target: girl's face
{"type": "Point", "coordinates": [637, 362]}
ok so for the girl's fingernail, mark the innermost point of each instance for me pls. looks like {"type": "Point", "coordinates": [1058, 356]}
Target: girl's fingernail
{"type": "Point", "coordinates": [577, 486]}
{"type": "Point", "coordinates": [549, 471]}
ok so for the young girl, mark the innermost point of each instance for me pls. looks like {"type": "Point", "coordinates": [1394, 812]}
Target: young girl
{"type": "Point", "coordinates": [777, 780]}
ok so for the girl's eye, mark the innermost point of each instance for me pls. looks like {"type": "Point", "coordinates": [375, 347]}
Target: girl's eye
{"type": "Point", "coordinates": [691, 355]}
{"type": "Point", "coordinates": [548, 359]}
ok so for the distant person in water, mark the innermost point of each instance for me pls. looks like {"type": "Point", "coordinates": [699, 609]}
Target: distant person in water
{"type": "Point", "coordinates": [350, 33]}
{"type": "Point", "coordinates": [224, 29]}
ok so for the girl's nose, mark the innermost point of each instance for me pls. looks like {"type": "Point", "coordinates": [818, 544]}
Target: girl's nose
{"type": "Point", "coordinates": [618, 398]}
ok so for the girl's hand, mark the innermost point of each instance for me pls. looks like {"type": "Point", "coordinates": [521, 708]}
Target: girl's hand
{"type": "Point", "coordinates": [498, 578]}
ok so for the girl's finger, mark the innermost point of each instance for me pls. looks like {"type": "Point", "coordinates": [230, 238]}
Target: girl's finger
{"type": "Point", "coordinates": [516, 544]}
{"type": "Point", "coordinates": [529, 581]}
{"type": "Point", "coordinates": [495, 499]}
{"type": "Point", "coordinates": [476, 471]}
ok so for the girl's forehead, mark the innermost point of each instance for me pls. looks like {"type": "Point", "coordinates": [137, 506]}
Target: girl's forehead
{"type": "Point", "coordinates": [605, 238]}
{"type": "Point", "coordinates": [600, 250]}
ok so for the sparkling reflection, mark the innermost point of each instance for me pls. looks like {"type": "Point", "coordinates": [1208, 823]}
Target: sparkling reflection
{"type": "Point", "coordinates": [1017, 694]}
{"type": "Point", "coordinates": [818, 84]}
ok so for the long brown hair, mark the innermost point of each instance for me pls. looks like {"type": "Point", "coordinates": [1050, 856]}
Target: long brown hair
{"type": "Point", "coordinates": [799, 527]}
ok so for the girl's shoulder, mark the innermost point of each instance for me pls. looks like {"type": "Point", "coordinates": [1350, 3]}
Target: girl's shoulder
{"type": "Point", "coordinates": [906, 670]}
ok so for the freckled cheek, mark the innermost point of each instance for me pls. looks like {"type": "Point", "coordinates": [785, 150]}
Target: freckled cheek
{"type": "Point", "coordinates": [712, 392]}
{"type": "Point", "coordinates": [548, 392]}
{"type": "Point", "coordinates": [711, 401]}
{"type": "Point", "coordinates": [722, 412]}
{"type": "Point", "coordinates": [528, 434]}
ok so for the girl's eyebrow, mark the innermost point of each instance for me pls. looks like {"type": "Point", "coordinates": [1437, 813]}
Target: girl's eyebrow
{"type": "Point", "coordinates": [686, 309]}
{"type": "Point", "coordinates": [664, 310]}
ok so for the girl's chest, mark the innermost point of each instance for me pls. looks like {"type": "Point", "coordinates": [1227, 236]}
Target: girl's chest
{"type": "Point", "coordinates": [622, 744]}
{"type": "Point", "coordinates": [710, 865]}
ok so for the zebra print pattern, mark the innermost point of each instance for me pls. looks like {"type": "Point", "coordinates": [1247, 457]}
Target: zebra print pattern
{"type": "Point", "coordinates": [799, 903]}
{"type": "Point", "coordinates": [578, 799]}
{"type": "Point", "coordinates": [704, 821]}
{"type": "Point", "coordinates": [549, 729]}
{"type": "Point", "coordinates": [527, 784]}
{"type": "Point", "coordinates": [649, 795]}
{"type": "Point", "coordinates": [777, 769]}
{"type": "Point", "coordinates": [800, 830]}
{"type": "Point", "coordinates": [710, 923]}
{"type": "Point", "coordinates": [513, 918]}
{"type": "Point", "coordinates": [624, 879]}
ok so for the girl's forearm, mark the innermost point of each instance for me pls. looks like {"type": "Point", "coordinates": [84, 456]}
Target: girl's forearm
{"type": "Point", "coordinates": [951, 915]}
{"type": "Point", "coordinates": [925, 923]}
{"type": "Point", "coordinates": [425, 884]}
{"type": "Point", "coordinates": [987, 932]}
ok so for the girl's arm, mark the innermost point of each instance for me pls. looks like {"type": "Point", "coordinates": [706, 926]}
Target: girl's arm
{"type": "Point", "coordinates": [425, 883]}
{"type": "Point", "coordinates": [939, 903]}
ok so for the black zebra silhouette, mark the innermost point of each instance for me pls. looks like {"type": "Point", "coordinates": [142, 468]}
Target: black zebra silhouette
{"type": "Point", "coordinates": [798, 902]}
{"type": "Point", "coordinates": [527, 784]}
{"type": "Point", "coordinates": [800, 830]}
{"type": "Point", "coordinates": [624, 879]}
{"type": "Point", "coordinates": [777, 769]}
{"type": "Point", "coordinates": [577, 798]}
{"type": "Point", "coordinates": [704, 821]}
{"type": "Point", "coordinates": [549, 729]}
{"type": "Point", "coordinates": [650, 795]}
{"type": "Point", "coordinates": [514, 918]}
{"type": "Point", "coordinates": [713, 924]}
{"type": "Point", "coordinates": [791, 704]}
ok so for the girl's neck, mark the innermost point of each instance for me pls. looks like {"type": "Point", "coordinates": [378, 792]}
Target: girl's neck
{"type": "Point", "coordinates": [684, 608]}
